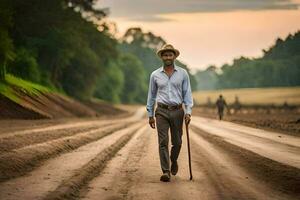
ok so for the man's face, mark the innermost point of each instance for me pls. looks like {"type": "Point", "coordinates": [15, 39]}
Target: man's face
{"type": "Point", "coordinates": [168, 57]}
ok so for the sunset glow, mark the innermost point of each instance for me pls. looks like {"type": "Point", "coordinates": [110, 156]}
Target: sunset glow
{"type": "Point", "coordinates": [206, 38]}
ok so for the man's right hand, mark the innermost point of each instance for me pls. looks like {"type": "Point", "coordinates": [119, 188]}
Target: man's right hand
{"type": "Point", "coordinates": [152, 122]}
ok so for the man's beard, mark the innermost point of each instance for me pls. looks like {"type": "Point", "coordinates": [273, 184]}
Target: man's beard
{"type": "Point", "coordinates": [168, 62]}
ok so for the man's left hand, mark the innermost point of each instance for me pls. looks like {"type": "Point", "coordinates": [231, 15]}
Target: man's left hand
{"type": "Point", "coordinates": [187, 118]}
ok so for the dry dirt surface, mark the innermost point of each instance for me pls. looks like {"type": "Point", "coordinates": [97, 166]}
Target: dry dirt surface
{"type": "Point", "coordinates": [118, 159]}
{"type": "Point", "coordinates": [284, 121]}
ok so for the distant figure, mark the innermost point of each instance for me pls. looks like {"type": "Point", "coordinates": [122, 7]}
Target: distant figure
{"type": "Point", "coordinates": [237, 105]}
{"type": "Point", "coordinates": [221, 104]}
{"type": "Point", "coordinates": [285, 106]}
{"type": "Point", "coordinates": [208, 102]}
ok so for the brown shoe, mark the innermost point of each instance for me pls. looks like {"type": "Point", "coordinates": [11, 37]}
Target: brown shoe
{"type": "Point", "coordinates": [165, 177]}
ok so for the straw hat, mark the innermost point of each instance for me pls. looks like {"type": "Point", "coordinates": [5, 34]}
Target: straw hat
{"type": "Point", "coordinates": [168, 47]}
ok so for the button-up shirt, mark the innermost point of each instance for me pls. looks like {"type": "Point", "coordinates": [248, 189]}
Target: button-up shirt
{"type": "Point", "coordinates": [172, 90]}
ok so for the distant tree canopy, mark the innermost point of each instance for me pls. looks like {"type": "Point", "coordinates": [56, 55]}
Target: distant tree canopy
{"type": "Point", "coordinates": [207, 79]}
{"type": "Point", "coordinates": [68, 45]}
{"type": "Point", "coordinates": [279, 66]}
{"type": "Point", "coordinates": [53, 43]}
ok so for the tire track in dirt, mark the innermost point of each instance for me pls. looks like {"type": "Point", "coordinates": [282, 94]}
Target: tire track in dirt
{"type": "Point", "coordinates": [54, 127]}
{"type": "Point", "coordinates": [227, 179]}
{"type": "Point", "coordinates": [116, 179]}
{"type": "Point", "coordinates": [275, 176]}
{"type": "Point", "coordinates": [284, 149]}
{"type": "Point", "coordinates": [70, 188]}
{"type": "Point", "coordinates": [13, 142]}
{"type": "Point", "coordinates": [23, 160]}
{"type": "Point", "coordinates": [249, 131]}
{"type": "Point", "coordinates": [10, 126]}
{"type": "Point", "coordinates": [55, 174]}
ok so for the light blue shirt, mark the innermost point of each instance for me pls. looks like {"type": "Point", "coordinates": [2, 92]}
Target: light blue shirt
{"type": "Point", "coordinates": [172, 90]}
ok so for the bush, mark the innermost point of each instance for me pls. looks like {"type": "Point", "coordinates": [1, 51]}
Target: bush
{"type": "Point", "coordinates": [24, 66]}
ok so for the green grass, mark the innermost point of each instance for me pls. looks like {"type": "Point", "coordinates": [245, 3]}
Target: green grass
{"type": "Point", "coordinates": [250, 96]}
{"type": "Point", "coordinates": [8, 92]}
{"type": "Point", "coordinates": [27, 86]}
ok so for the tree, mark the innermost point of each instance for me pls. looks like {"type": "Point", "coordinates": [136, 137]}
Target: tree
{"type": "Point", "coordinates": [110, 86]}
{"type": "Point", "coordinates": [135, 89]}
{"type": "Point", "coordinates": [6, 44]}
{"type": "Point", "coordinates": [25, 66]}
{"type": "Point", "coordinates": [207, 79]}
{"type": "Point", "coordinates": [80, 76]}
{"type": "Point", "coordinates": [58, 36]}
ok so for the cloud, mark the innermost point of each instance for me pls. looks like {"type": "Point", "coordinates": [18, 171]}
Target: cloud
{"type": "Point", "coordinates": [149, 18]}
{"type": "Point", "coordinates": [149, 10]}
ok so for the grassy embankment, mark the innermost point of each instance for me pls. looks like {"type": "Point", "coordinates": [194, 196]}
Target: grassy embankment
{"type": "Point", "coordinates": [20, 99]}
{"type": "Point", "coordinates": [6, 87]}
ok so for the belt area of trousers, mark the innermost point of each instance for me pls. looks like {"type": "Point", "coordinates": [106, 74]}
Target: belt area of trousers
{"type": "Point", "coordinates": [169, 107]}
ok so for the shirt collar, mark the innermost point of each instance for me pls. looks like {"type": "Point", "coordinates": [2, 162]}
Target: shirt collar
{"type": "Point", "coordinates": [162, 68]}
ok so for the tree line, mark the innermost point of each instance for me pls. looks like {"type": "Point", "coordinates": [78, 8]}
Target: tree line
{"type": "Point", "coordinates": [69, 45]}
{"type": "Point", "coordinates": [279, 66]}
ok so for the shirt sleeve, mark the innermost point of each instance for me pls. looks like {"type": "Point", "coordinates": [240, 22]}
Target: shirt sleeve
{"type": "Point", "coordinates": [187, 94]}
{"type": "Point", "coordinates": [152, 92]}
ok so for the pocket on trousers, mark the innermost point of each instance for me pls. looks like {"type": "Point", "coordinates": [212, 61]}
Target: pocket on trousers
{"type": "Point", "coordinates": [157, 111]}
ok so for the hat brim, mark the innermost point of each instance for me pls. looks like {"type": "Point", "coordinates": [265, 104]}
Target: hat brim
{"type": "Point", "coordinates": [175, 51]}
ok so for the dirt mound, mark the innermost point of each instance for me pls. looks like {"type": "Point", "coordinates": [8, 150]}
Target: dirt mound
{"type": "Point", "coordinates": [103, 107]}
{"type": "Point", "coordinates": [48, 105]}
{"type": "Point", "coordinates": [10, 109]}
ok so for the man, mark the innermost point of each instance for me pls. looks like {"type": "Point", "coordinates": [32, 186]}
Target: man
{"type": "Point", "coordinates": [221, 104]}
{"type": "Point", "coordinates": [169, 87]}
{"type": "Point", "coordinates": [236, 105]}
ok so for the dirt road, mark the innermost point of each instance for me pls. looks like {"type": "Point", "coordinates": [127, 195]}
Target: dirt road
{"type": "Point", "coordinates": [118, 159]}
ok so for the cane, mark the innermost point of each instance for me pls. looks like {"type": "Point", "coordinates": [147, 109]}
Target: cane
{"type": "Point", "coordinates": [189, 150]}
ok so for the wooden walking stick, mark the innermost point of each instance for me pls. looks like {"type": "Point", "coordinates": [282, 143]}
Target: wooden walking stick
{"type": "Point", "coordinates": [189, 149]}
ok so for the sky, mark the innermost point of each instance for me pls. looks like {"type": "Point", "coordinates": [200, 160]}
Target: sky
{"type": "Point", "coordinates": [209, 32]}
